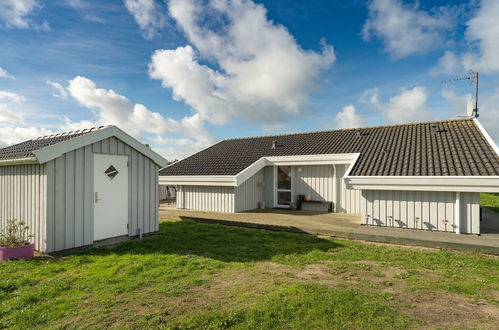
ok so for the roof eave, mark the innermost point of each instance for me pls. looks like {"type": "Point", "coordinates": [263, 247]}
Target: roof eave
{"type": "Point", "coordinates": [19, 161]}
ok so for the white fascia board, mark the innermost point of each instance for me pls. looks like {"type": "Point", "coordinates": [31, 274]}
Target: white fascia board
{"type": "Point", "coordinates": [56, 150]}
{"type": "Point", "coordinates": [425, 183]}
{"type": "Point", "coordinates": [19, 161]}
{"type": "Point", "coordinates": [297, 160]}
{"type": "Point", "coordinates": [487, 136]}
{"type": "Point", "coordinates": [311, 159]}
{"type": "Point", "coordinates": [241, 177]}
{"type": "Point", "coordinates": [199, 180]}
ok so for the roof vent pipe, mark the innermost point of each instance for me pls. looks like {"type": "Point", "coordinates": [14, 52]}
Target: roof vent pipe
{"type": "Point", "coordinates": [434, 128]}
{"type": "Point", "coordinates": [274, 144]}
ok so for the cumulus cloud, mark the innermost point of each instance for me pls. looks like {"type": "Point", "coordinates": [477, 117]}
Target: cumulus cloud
{"type": "Point", "coordinates": [488, 109]}
{"type": "Point", "coordinates": [61, 92]}
{"type": "Point", "coordinates": [8, 116]}
{"type": "Point", "coordinates": [112, 108]}
{"type": "Point", "coordinates": [481, 34]}
{"type": "Point", "coordinates": [17, 14]}
{"type": "Point", "coordinates": [148, 15]}
{"type": "Point", "coordinates": [13, 135]}
{"type": "Point", "coordinates": [406, 29]}
{"type": "Point", "coordinates": [348, 118]}
{"type": "Point", "coordinates": [263, 76]}
{"type": "Point", "coordinates": [6, 96]}
{"type": "Point", "coordinates": [407, 107]}
{"type": "Point", "coordinates": [5, 74]}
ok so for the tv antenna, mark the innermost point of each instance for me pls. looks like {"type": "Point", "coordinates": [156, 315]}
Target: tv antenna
{"type": "Point", "coordinates": [472, 76]}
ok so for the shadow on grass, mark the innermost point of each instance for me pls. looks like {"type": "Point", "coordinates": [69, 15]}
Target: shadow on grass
{"type": "Point", "coordinates": [224, 243]}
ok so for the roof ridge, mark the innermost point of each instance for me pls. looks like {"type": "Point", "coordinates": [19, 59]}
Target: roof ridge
{"type": "Point", "coordinates": [80, 131]}
{"type": "Point", "coordinates": [350, 129]}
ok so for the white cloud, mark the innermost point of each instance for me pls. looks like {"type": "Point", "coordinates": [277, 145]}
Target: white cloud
{"type": "Point", "coordinates": [112, 108]}
{"type": "Point", "coordinates": [481, 34]}
{"type": "Point", "coordinates": [8, 116]}
{"type": "Point", "coordinates": [488, 109]}
{"type": "Point", "coordinates": [348, 118]}
{"type": "Point", "coordinates": [5, 74]}
{"type": "Point", "coordinates": [61, 91]}
{"type": "Point", "coordinates": [16, 14]}
{"type": "Point", "coordinates": [404, 29]}
{"type": "Point", "coordinates": [263, 77]}
{"type": "Point", "coordinates": [13, 135]}
{"type": "Point", "coordinates": [148, 15]}
{"type": "Point", "coordinates": [6, 96]}
{"type": "Point", "coordinates": [407, 107]}
{"type": "Point", "coordinates": [458, 102]}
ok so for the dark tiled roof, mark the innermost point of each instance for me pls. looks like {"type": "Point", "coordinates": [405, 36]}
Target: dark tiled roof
{"type": "Point", "coordinates": [26, 149]}
{"type": "Point", "coordinates": [445, 148]}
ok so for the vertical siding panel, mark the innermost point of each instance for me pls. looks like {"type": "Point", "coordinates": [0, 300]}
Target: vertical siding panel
{"type": "Point", "coordinates": [147, 195]}
{"type": "Point", "coordinates": [69, 214]}
{"type": "Point", "coordinates": [134, 193]}
{"type": "Point", "coordinates": [88, 196]}
{"type": "Point", "coordinates": [79, 197]}
{"type": "Point", "coordinates": [60, 202]}
{"type": "Point", "coordinates": [50, 221]}
{"type": "Point", "coordinates": [113, 145]}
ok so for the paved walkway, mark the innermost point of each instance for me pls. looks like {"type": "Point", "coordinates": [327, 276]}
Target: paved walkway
{"type": "Point", "coordinates": [315, 223]}
{"type": "Point", "coordinates": [348, 226]}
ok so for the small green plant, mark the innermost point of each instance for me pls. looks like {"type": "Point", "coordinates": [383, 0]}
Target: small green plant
{"type": "Point", "coordinates": [15, 233]}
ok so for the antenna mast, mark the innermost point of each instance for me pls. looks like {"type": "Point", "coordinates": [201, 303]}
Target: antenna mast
{"type": "Point", "coordinates": [472, 76]}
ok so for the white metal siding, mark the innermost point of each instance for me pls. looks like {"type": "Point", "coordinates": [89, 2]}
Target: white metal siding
{"type": "Point", "coordinates": [70, 193]}
{"type": "Point", "coordinates": [348, 200]}
{"type": "Point", "coordinates": [315, 181]}
{"type": "Point", "coordinates": [421, 210]}
{"type": "Point", "coordinates": [250, 192]}
{"type": "Point", "coordinates": [206, 198]}
{"type": "Point", "coordinates": [23, 197]}
{"type": "Point", "coordinates": [470, 212]}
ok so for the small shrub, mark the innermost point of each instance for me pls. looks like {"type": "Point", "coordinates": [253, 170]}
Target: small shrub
{"type": "Point", "coordinates": [15, 234]}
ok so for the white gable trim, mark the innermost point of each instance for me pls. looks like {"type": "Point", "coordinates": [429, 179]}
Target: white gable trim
{"type": "Point", "coordinates": [425, 183]}
{"type": "Point", "coordinates": [487, 136]}
{"type": "Point", "coordinates": [56, 150]}
{"type": "Point", "coordinates": [241, 177]}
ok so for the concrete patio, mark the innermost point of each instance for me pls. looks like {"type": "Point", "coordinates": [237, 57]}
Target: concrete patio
{"type": "Point", "coordinates": [347, 226]}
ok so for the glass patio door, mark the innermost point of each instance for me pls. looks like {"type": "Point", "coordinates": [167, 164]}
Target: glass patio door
{"type": "Point", "coordinates": [283, 182]}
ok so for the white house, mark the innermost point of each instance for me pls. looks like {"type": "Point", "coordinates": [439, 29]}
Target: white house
{"type": "Point", "coordinates": [76, 188]}
{"type": "Point", "coordinates": [422, 176]}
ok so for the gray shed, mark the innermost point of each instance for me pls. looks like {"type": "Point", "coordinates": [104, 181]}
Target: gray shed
{"type": "Point", "coordinates": [76, 188]}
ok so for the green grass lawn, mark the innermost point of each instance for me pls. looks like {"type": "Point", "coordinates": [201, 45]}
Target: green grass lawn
{"type": "Point", "coordinates": [490, 200]}
{"type": "Point", "coordinates": [194, 275]}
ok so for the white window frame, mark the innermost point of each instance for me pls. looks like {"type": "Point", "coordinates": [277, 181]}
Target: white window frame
{"type": "Point", "coordinates": [276, 191]}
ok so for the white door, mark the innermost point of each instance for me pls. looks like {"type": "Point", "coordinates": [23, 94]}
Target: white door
{"type": "Point", "coordinates": [110, 196]}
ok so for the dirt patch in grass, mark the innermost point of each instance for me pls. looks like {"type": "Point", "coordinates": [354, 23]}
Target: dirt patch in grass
{"type": "Point", "coordinates": [446, 310]}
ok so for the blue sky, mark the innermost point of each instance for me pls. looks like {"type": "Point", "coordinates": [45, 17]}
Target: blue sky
{"type": "Point", "coordinates": [183, 74]}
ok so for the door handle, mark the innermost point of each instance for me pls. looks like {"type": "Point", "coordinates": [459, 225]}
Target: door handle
{"type": "Point", "coordinates": [96, 197]}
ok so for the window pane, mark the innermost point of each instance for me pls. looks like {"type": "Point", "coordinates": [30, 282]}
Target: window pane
{"type": "Point", "coordinates": [283, 197]}
{"type": "Point", "coordinates": [284, 177]}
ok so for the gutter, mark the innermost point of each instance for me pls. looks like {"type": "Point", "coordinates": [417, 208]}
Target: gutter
{"type": "Point", "coordinates": [18, 161]}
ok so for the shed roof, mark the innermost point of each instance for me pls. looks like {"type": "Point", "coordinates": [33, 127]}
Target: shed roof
{"type": "Point", "coordinates": [25, 149]}
{"type": "Point", "coordinates": [46, 148]}
{"type": "Point", "coordinates": [442, 148]}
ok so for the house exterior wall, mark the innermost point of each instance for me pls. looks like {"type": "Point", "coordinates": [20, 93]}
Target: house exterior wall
{"type": "Point", "coordinates": [421, 210]}
{"type": "Point", "coordinates": [248, 194]}
{"type": "Point", "coordinates": [23, 197]}
{"type": "Point", "coordinates": [315, 181]}
{"type": "Point", "coordinates": [469, 212]}
{"type": "Point", "coordinates": [348, 200]}
{"type": "Point", "coordinates": [70, 203]}
{"type": "Point", "coordinates": [206, 198]}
